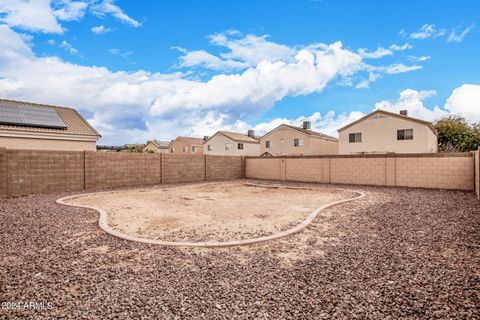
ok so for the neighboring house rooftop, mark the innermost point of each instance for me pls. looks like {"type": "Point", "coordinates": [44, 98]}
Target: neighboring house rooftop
{"type": "Point", "coordinates": [392, 114]}
{"type": "Point", "coordinates": [74, 123]}
{"type": "Point", "coordinates": [159, 143]}
{"type": "Point", "coordinates": [190, 140]}
{"type": "Point", "coordinates": [235, 136]}
{"type": "Point", "coordinates": [309, 132]}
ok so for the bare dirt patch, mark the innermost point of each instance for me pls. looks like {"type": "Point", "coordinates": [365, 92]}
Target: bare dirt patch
{"type": "Point", "coordinates": [209, 212]}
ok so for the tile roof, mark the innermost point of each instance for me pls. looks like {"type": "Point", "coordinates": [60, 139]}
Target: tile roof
{"type": "Point", "coordinates": [308, 132]}
{"type": "Point", "coordinates": [396, 115]}
{"type": "Point", "coordinates": [160, 144]}
{"type": "Point", "coordinates": [190, 140]}
{"type": "Point", "coordinates": [75, 124]}
{"type": "Point", "coordinates": [239, 137]}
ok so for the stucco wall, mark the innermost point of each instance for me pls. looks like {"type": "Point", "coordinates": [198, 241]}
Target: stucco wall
{"type": "Point", "coordinates": [218, 147]}
{"type": "Point", "coordinates": [150, 147]}
{"type": "Point", "coordinates": [380, 136]}
{"type": "Point", "coordinates": [47, 144]}
{"type": "Point", "coordinates": [444, 171]}
{"type": "Point", "coordinates": [282, 143]}
{"type": "Point", "coordinates": [178, 145]}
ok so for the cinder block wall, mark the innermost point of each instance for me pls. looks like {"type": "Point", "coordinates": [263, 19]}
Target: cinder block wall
{"type": "Point", "coordinates": [110, 170]}
{"type": "Point", "coordinates": [29, 171]}
{"type": "Point", "coordinates": [223, 167]}
{"type": "Point", "coordinates": [477, 173]}
{"type": "Point", "coordinates": [444, 171]}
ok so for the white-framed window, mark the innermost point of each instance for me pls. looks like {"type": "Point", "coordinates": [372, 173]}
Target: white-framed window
{"type": "Point", "coordinates": [228, 146]}
{"type": "Point", "coordinates": [209, 147]}
{"type": "Point", "coordinates": [268, 144]}
{"type": "Point", "coordinates": [355, 137]}
{"type": "Point", "coordinates": [405, 134]}
{"type": "Point", "coordinates": [194, 149]}
{"type": "Point", "coordinates": [240, 146]}
{"type": "Point", "coordinates": [185, 149]}
{"type": "Point", "coordinates": [298, 142]}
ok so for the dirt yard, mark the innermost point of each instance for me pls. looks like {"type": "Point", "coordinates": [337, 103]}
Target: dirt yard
{"type": "Point", "coordinates": [222, 211]}
{"type": "Point", "coordinates": [397, 253]}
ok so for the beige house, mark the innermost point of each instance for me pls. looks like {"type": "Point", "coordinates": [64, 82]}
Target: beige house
{"type": "Point", "coordinates": [157, 146]}
{"type": "Point", "coordinates": [186, 145]}
{"type": "Point", "coordinates": [25, 125]}
{"type": "Point", "coordinates": [232, 144]}
{"type": "Point", "coordinates": [290, 140]}
{"type": "Point", "coordinates": [384, 132]}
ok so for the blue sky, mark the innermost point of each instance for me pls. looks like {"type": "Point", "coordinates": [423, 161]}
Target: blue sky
{"type": "Point", "coordinates": [140, 70]}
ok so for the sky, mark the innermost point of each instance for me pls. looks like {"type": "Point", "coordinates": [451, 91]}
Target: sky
{"type": "Point", "coordinates": [142, 70]}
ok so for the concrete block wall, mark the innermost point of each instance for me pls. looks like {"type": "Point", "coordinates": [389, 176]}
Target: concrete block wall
{"type": "Point", "coordinates": [3, 172]}
{"type": "Point", "coordinates": [182, 168]}
{"type": "Point", "coordinates": [444, 171]}
{"type": "Point", "coordinates": [223, 167]}
{"type": "Point", "coordinates": [110, 170]}
{"type": "Point", "coordinates": [34, 171]}
{"type": "Point", "coordinates": [477, 172]}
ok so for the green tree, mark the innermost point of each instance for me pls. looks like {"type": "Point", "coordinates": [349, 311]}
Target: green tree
{"type": "Point", "coordinates": [456, 135]}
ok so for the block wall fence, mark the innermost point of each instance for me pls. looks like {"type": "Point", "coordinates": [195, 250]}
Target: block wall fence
{"type": "Point", "coordinates": [441, 171]}
{"type": "Point", "coordinates": [31, 171]}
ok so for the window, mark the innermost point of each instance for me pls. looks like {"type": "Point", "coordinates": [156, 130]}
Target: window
{"type": "Point", "coordinates": [194, 148]}
{"type": "Point", "coordinates": [355, 137]}
{"type": "Point", "coordinates": [228, 146]}
{"type": "Point", "coordinates": [268, 144]}
{"type": "Point", "coordinates": [185, 149]}
{"type": "Point", "coordinates": [209, 147]}
{"type": "Point", "coordinates": [298, 142]}
{"type": "Point", "coordinates": [172, 150]}
{"type": "Point", "coordinates": [405, 134]}
{"type": "Point", "coordinates": [240, 146]}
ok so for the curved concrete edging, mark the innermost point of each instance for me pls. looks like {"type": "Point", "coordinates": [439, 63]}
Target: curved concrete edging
{"type": "Point", "coordinates": [103, 223]}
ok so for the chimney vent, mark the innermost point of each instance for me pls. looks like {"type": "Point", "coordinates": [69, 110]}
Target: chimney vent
{"type": "Point", "coordinates": [251, 133]}
{"type": "Point", "coordinates": [404, 112]}
{"type": "Point", "coordinates": [205, 138]}
{"type": "Point", "coordinates": [307, 125]}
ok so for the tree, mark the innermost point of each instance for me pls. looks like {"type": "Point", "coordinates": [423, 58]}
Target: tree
{"type": "Point", "coordinates": [456, 135]}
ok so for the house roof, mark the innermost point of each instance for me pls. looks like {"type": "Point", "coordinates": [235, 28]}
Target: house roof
{"type": "Point", "coordinates": [159, 143]}
{"type": "Point", "coordinates": [190, 140]}
{"type": "Point", "coordinates": [75, 124]}
{"type": "Point", "coordinates": [392, 114]}
{"type": "Point", "coordinates": [311, 133]}
{"type": "Point", "coordinates": [235, 136]}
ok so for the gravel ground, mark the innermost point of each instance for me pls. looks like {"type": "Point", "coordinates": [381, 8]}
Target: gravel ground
{"type": "Point", "coordinates": [398, 253]}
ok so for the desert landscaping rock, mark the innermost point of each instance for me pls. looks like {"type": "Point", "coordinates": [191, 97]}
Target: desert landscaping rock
{"type": "Point", "coordinates": [397, 253]}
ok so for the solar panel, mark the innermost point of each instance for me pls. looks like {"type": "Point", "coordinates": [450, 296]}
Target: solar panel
{"type": "Point", "coordinates": [30, 117]}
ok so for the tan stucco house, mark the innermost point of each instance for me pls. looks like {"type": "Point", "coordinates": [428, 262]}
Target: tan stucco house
{"type": "Point", "coordinates": [186, 145]}
{"type": "Point", "coordinates": [232, 144]}
{"type": "Point", "coordinates": [157, 146]}
{"type": "Point", "coordinates": [386, 132]}
{"type": "Point", "coordinates": [290, 140]}
{"type": "Point", "coordinates": [25, 125]}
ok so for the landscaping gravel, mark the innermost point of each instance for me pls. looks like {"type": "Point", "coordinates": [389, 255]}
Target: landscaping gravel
{"type": "Point", "coordinates": [397, 253]}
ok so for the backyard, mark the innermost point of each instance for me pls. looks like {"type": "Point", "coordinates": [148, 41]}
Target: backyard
{"type": "Point", "coordinates": [397, 252]}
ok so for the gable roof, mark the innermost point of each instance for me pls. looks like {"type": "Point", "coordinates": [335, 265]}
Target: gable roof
{"type": "Point", "coordinates": [235, 136]}
{"type": "Point", "coordinates": [159, 143]}
{"type": "Point", "coordinates": [314, 134]}
{"type": "Point", "coordinates": [189, 140]}
{"type": "Point", "coordinates": [75, 124]}
{"type": "Point", "coordinates": [392, 114]}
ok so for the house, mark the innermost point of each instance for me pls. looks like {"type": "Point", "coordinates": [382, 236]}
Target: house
{"type": "Point", "coordinates": [290, 140]}
{"type": "Point", "coordinates": [25, 125]}
{"type": "Point", "coordinates": [157, 146]}
{"type": "Point", "coordinates": [384, 132]}
{"type": "Point", "coordinates": [232, 144]}
{"type": "Point", "coordinates": [186, 145]}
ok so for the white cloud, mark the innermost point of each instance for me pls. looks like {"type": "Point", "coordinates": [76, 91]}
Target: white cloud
{"type": "Point", "coordinates": [379, 53]}
{"type": "Point", "coordinates": [68, 47]}
{"type": "Point", "coordinates": [427, 31]}
{"type": "Point", "coordinates": [458, 37]}
{"type": "Point", "coordinates": [405, 46]}
{"type": "Point", "coordinates": [412, 101]}
{"type": "Point", "coordinates": [117, 52]}
{"type": "Point", "coordinates": [399, 68]}
{"type": "Point", "coordinates": [45, 15]}
{"type": "Point", "coordinates": [418, 59]}
{"type": "Point", "coordinates": [101, 29]}
{"type": "Point", "coordinates": [108, 7]}
{"type": "Point", "coordinates": [465, 101]}
{"type": "Point", "coordinates": [203, 59]}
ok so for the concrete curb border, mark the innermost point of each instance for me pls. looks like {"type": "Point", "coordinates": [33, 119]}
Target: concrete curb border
{"type": "Point", "coordinates": [103, 222]}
